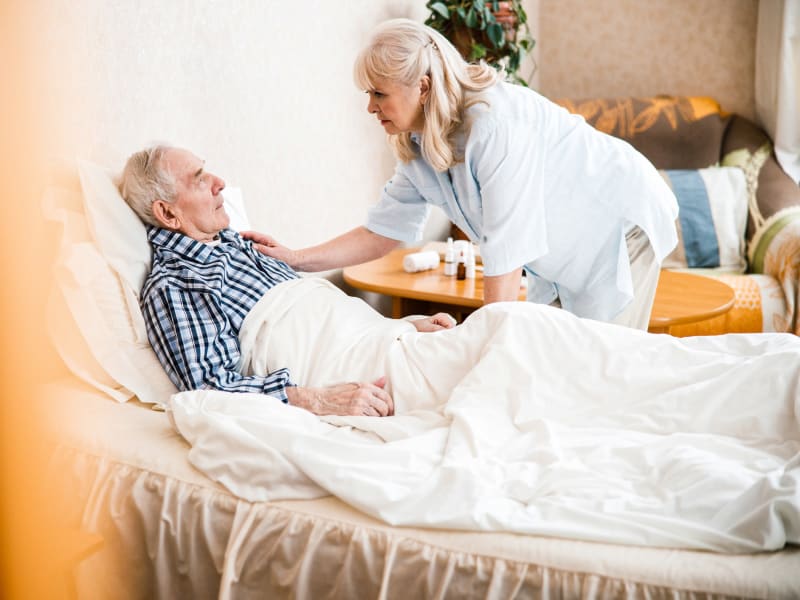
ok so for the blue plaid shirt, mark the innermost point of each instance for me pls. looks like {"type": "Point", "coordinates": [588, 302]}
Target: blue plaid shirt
{"type": "Point", "coordinates": [194, 302]}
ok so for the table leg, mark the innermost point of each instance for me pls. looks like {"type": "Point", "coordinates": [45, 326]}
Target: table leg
{"type": "Point", "coordinates": [398, 310]}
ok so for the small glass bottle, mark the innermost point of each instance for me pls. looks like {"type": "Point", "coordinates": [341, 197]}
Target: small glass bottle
{"type": "Point", "coordinates": [470, 262]}
{"type": "Point", "coordinates": [461, 268]}
{"type": "Point", "coordinates": [449, 259]}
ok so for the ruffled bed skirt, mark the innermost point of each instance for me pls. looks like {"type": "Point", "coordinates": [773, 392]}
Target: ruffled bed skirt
{"type": "Point", "coordinates": [168, 538]}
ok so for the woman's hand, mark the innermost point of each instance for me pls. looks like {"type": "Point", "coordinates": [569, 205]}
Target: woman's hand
{"type": "Point", "coordinates": [351, 248]}
{"type": "Point", "coordinates": [269, 246]}
{"type": "Point", "coordinates": [437, 322]}
{"type": "Point", "coordinates": [363, 399]}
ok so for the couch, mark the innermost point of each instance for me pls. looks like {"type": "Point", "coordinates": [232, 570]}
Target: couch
{"type": "Point", "coordinates": [692, 134]}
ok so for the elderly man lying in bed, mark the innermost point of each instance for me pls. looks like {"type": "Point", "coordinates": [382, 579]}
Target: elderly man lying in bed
{"type": "Point", "coordinates": [204, 281]}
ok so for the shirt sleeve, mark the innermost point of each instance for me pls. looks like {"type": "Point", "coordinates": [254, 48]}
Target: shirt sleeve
{"type": "Point", "coordinates": [506, 160]}
{"type": "Point", "coordinates": [401, 212]}
{"type": "Point", "coordinates": [196, 345]}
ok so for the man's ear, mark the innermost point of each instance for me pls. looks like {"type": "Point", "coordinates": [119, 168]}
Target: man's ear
{"type": "Point", "coordinates": [165, 214]}
{"type": "Point", "coordinates": [424, 88]}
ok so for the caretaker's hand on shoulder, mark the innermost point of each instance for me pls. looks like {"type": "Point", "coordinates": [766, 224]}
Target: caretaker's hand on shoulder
{"type": "Point", "coordinates": [437, 322]}
{"type": "Point", "coordinates": [368, 399]}
{"type": "Point", "coordinates": [268, 245]}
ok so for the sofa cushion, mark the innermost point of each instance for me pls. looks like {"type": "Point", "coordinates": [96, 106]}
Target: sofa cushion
{"type": "Point", "coordinates": [712, 219]}
{"type": "Point", "coordinates": [673, 132]}
{"type": "Point", "coordinates": [748, 147]}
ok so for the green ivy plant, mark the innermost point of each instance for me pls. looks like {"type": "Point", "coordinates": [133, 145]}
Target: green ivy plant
{"type": "Point", "coordinates": [494, 30]}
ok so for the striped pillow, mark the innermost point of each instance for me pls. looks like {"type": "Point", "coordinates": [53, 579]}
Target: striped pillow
{"type": "Point", "coordinates": [712, 219]}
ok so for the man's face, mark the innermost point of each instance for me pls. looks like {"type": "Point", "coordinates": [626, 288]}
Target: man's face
{"type": "Point", "coordinates": [197, 209]}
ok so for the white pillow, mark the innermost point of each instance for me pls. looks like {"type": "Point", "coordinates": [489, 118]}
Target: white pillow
{"type": "Point", "coordinates": [103, 261]}
{"type": "Point", "coordinates": [712, 219]}
{"type": "Point", "coordinates": [118, 232]}
{"type": "Point", "coordinates": [65, 205]}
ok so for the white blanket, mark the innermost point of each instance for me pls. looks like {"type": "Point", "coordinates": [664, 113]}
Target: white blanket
{"type": "Point", "coordinates": [524, 418]}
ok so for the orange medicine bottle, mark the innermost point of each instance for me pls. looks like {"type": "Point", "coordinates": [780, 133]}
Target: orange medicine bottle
{"type": "Point", "coordinates": [461, 267]}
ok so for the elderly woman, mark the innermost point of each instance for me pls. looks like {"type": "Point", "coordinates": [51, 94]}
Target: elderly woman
{"type": "Point", "coordinates": [585, 215]}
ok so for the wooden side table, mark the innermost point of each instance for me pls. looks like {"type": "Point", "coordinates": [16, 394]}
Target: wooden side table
{"type": "Point", "coordinates": [686, 298]}
{"type": "Point", "coordinates": [432, 289]}
{"type": "Point", "coordinates": [680, 298]}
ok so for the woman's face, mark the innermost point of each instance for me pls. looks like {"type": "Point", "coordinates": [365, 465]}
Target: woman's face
{"type": "Point", "coordinates": [399, 106]}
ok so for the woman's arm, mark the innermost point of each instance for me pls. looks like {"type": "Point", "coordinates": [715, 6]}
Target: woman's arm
{"type": "Point", "coordinates": [502, 288]}
{"type": "Point", "coordinates": [354, 247]}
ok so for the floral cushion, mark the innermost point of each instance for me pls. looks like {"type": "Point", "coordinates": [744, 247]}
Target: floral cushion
{"type": "Point", "coordinates": [674, 132]}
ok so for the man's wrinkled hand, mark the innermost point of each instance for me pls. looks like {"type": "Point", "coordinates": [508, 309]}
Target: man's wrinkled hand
{"type": "Point", "coordinates": [437, 322]}
{"type": "Point", "coordinates": [363, 399]}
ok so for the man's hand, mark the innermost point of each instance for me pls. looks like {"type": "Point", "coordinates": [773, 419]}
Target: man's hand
{"type": "Point", "coordinates": [268, 245]}
{"type": "Point", "coordinates": [361, 399]}
{"type": "Point", "coordinates": [437, 322]}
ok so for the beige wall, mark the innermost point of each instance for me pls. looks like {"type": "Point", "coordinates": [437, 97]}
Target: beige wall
{"type": "Point", "coordinates": [609, 48]}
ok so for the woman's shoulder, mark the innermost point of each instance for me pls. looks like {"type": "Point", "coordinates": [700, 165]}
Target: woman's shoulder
{"type": "Point", "coordinates": [503, 106]}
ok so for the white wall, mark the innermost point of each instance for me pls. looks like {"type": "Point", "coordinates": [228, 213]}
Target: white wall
{"type": "Point", "coordinates": [261, 89]}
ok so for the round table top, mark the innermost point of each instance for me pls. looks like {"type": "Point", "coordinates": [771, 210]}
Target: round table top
{"type": "Point", "coordinates": [688, 298]}
{"type": "Point", "coordinates": [680, 297]}
{"type": "Point", "coordinates": [386, 276]}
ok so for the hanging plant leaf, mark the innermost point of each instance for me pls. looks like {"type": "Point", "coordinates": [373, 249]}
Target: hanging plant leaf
{"type": "Point", "coordinates": [521, 14]}
{"type": "Point", "coordinates": [487, 17]}
{"type": "Point", "coordinates": [496, 35]}
{"type": "Point", "coordinates": [440, 8]}
{"type": "Point", "coordinates": [472, 18]}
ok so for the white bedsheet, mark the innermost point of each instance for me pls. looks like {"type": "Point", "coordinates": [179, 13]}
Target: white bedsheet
{"type": "Point", "coordinates": [523, 419]}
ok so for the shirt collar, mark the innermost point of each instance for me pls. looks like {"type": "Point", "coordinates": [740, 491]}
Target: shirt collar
{"type": "Point", "coordinates": [185, 246]}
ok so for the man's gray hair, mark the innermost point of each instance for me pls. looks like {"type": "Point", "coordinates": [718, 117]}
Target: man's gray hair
{"type": "Point", "coordinates": [145, 180]}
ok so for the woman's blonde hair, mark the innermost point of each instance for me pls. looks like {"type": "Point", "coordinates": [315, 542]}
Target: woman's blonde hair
{"type": "Point", "coordinates": [404, 51]}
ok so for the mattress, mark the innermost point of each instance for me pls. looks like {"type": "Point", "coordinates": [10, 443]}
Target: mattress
{"type": "Point", "coordinates": [121, 471]}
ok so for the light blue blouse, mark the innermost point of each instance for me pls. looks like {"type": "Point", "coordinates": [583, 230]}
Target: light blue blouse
{"type": "Point", "coordinates": [542, 189]}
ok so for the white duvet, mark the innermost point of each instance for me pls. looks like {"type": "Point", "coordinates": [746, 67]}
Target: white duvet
{"type": "Point", "coordinates": [524, 418]}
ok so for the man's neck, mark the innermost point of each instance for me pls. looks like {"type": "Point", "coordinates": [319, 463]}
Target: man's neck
{"type": "Point", "coordinates": [200, 237]}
